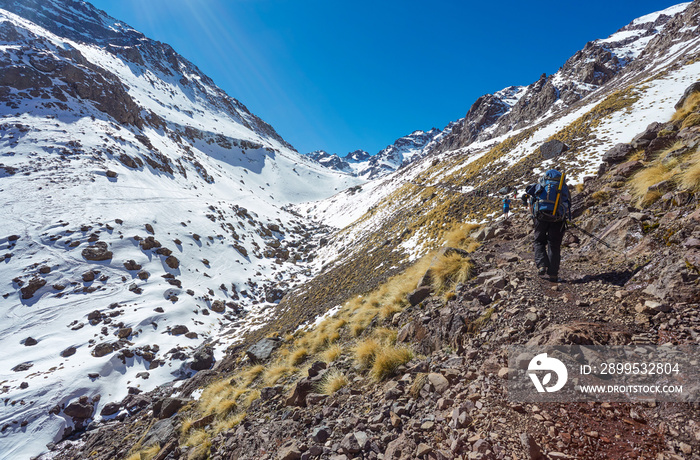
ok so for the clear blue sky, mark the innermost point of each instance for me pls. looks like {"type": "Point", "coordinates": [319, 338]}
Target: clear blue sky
{"type": "Point", "coordinates": [345, 75]}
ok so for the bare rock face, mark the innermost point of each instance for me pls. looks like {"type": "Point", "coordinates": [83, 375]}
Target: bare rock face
{"type": "Point", "coordinates": [203, 358]}
{"type": "Point", "coordinates": [32, 286]}
{"type": "Point", "coordinates": [81, 409]}
{"type": "Point", "coordinates": [172, 262]}
{"type": "Point", "coordinates": [98, 252]}
{"type": "Point", "coordinates": [102, 349]}
{"type": "Point", "coordinates": [263, 349]}
{"type": "Point", "coordinates": [553, 149]}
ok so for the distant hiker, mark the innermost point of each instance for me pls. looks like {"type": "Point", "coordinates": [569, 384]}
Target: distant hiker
{"type": "Point", "coordinates": [549, 203]}
{"type": "Point", "coordinates": [506, 207]}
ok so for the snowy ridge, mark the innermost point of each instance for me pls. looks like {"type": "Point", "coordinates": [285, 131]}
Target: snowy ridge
{"type": "Point", "coordinates": [359, 163]}
{"type": "Point", "coordinates": [186, 189]}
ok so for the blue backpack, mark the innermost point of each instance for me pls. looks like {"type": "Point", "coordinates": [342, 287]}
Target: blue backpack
{"type": "Point", "coordinates": [545, 197]}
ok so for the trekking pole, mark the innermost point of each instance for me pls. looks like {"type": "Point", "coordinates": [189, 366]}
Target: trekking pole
{"type": "Point", "coordinates": [595, 238]}
{"type": "Point", "coordinates": [556, 202]}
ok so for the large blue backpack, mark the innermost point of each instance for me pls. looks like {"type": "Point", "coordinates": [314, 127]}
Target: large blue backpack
{"type": "Point", "coordinates": [545, 198]}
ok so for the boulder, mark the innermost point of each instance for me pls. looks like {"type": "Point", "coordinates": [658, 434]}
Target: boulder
{"type": "Point", "coordinates": [98, 252]}
{"type": "Point", "coordinates": [263, 349]}
{"type": "Point", "coordinates": [80, 409]}
{"type": "Point", "coordinates": [401, 448]}
{"type": "Point", "coordinates": [179, 330]}
{"type": "Point", "coordinates": [693, 88]}
{"type": "Point", "coordinates": [419, 295]}
{"type": "Point", "coordinates": [439, 383]}
{"type": "Point", "coordinates": [160, 432]}
{"type": "Point", "coordinates": [533, 450]}
{"type": "Point", "coordinates": [167, 407]}
{"type": "Point", "coordinates": [110, 409]}
{"type": "Point", "coordinates": [30, 341]}
{"type": "Point", "coordinates": [218, 306]}
{"type": "Point", "coordinates": [618, 153]}
{"type": "Point", "coordinates": [355, 442]}
{"type": "Point", "coordinates": [132, 265]}
{"type": "Point", "coordinates": [172, 262]}
{"type": "Point", "coordinates": [553, 149]}
{"type": "Point", "coordinates": [70, 351]}
{"type": "Point", "coordinates": [149, 243]}
{"type": "Point", "coordinates": [32, 286]}
{"type": "Point", "coordinates": [203, 358]}
{"type": "Point", "coordinates": [289, 451]}
{"type": "Point", "coordinates": [102, 349]}
{"type": "Point", "coordinates": [628, 168]}
{"type": "Point", "coordinates": [321, 434]}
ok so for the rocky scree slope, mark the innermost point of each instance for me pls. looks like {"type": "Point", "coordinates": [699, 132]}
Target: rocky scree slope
{"type": "Point", "coordinates": [447, 399]}
{"type": "Point", "coordinates": [146, 219]}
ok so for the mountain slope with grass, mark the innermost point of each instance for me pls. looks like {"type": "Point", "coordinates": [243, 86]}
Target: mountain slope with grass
{"type": "Point", "coordinates": [397, 347]}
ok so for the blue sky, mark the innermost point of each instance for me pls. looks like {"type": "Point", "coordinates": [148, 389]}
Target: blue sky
{"type": "Point", "coordinates": [340, 76]}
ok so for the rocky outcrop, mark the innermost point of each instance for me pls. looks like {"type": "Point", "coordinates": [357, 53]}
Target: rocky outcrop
{"type": "Point", "coordinates": [98, 252]}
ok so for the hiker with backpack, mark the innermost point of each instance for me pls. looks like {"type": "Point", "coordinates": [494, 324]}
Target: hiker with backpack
{"type": "Point", "coordinates": [549, 203]}
{"type": "Point", "coordinates": [506, 207]}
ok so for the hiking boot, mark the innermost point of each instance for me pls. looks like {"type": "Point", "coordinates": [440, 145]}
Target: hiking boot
{"type": "Point", "coordinates": [554, 278]}
{"type": "Point", "coordinates": [542, 271]}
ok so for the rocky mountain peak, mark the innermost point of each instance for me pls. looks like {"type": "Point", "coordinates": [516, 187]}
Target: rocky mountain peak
{"type": "Point", "coordinates": [357, 155]}
{"type": "Point", "coordinates": [594, 66]}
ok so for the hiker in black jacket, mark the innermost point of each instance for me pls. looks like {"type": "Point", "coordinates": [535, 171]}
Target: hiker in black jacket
{"type": "Point", "coordinates": [549, 203]}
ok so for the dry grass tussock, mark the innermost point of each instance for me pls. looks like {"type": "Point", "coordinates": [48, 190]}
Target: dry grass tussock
{"type": "Point", "coordinates": [690, 177]}
{"type": "Point", "coordinates": [275, 372]}
{"type": "Point", "coordinates": [145, 454]}
{"type": "Point", "coordinates": [458, 236]}
{"type": "Point", "coordinates": [332, 381]}
{"type": "Point", "coordinates": [388, 359]}
{"type": "Point", "coordinates": [448, 271]}
{"type": "Point", "coordinates": [647, 177]}
{"type": "Point", "coordinates": [220, 398]}
{"type": "Point", "coordinates": [200, 443]}
{"type": "Point", "coordinates": [298, 356]}
{"type": "Point", "coordinates": [365, 351]}
{"type": "Point", "coordinates": [691, 104]}
{"type": "Point", "coordinates": [332, 353]}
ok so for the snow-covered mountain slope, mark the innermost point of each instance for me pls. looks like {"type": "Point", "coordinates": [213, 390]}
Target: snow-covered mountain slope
{"type": "Point", "coordinates": [145, 214]}
{"type": "Point", "coordinates": [403, 151]}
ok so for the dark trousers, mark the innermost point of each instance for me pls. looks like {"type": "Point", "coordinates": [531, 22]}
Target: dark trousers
{"type": "Point", "coordinates": [548, 236]}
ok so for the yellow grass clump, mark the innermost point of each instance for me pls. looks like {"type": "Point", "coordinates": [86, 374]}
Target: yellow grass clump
{"type": "Point", "coordinates": [145, 454]}
{"type": "Point", "coordinates": [276, 372]}
{"type": "Point", "coordinates": [332, 353]}
{"type": "Point", "coordinates": [647, 177]}
{"type": "Point", "coordinates": [246, 377]}
{"type": "Point", "coordinates": [200, 441]}
{"type": "Point", "coordinates": [388, 359]}
{"type": "Point", "coordinates": [298, 356]}
{"type": "Point", "coordinates": [220, 397]}
{"type": "Point", "coordinates": [691, 104]}
{"type": "Point", "coordinates": [690, 177]}
{"type": "Point", "coordinates": [332, 381]}
{"type": "Point", "coordinates": [365, 351]}
{"type": "Point", "coordinates": [448, 271]}
{"type": "Point", "coordinates": [385, 335]}
{"type": "Point", "coordinates": [228, 422]}
{"type": "Point", "coordinates": [458, 235]}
